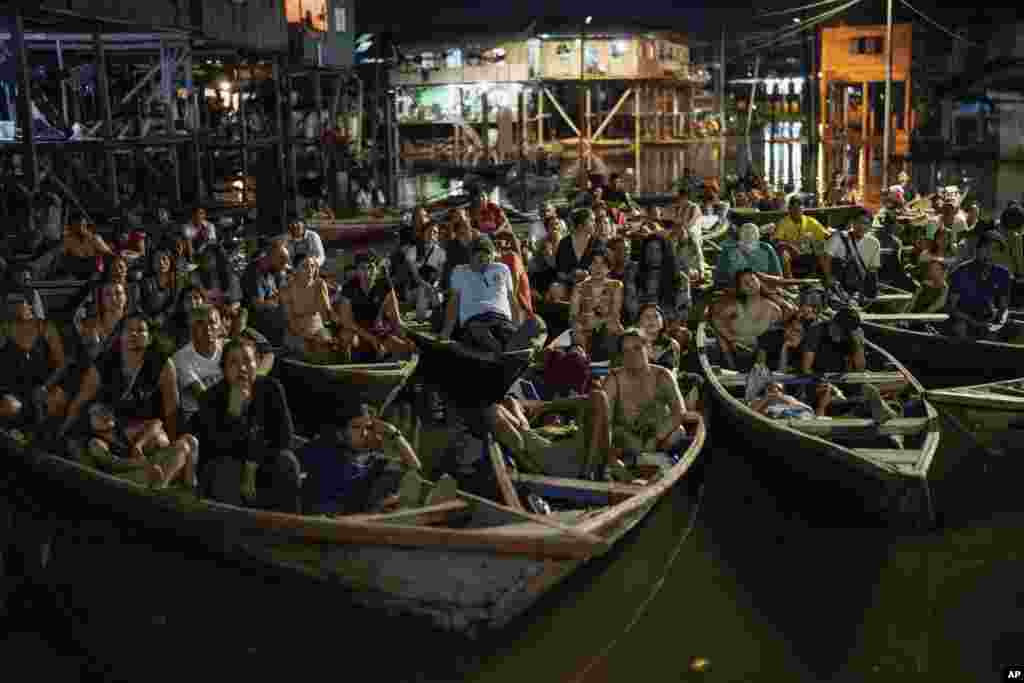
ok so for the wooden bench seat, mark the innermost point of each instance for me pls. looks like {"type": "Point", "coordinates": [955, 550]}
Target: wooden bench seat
{"type": "Point", "coordinates": [891, 456]}
{"type": "Point", "coordinates": [892, 377]}
{"type": "Point", "coordinates": [845, 425]}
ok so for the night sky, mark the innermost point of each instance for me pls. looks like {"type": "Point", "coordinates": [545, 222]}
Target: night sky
{"type": "Point", "coordinates": [701, 20]}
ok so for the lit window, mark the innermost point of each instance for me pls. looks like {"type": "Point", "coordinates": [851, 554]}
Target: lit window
{"type": "Point", "coordinates": [617, 49]}
{"type": "Point", "coordinates": [453, 60]}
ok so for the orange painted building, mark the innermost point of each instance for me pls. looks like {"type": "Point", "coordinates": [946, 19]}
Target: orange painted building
{"type": "Point", "coordinates": [853, 104]}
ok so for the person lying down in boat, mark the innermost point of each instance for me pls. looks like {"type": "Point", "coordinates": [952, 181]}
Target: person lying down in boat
{"type": "Point", "coordinates": [774, 403]}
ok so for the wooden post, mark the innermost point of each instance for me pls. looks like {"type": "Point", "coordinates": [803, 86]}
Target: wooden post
{"type": "Point", "coordinates": [291, 181]}
{"type": "Point", "coordinates": [103, 85]}
{"type": "Point", "coordinates": [244, 137]}
{"type": "Point", "coordinates": [636, 138]}
{"type": "Point", "coordinates": [486, 114]}
{"type": "Point", "coordinates": [318, 106]}
{"type": "Point", "coordinates": [587, 124]}
{"type": "Point", "coordinates": [522, 124]}
{"type": "Point", "coordinates": [30, 162]}
{"type": "Point", "coordinates": [280, 146]}
{"type": "Point", "coordinates": [540, 117]}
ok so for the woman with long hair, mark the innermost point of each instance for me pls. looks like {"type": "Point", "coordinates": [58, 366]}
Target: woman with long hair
{"type": "Point", "coordinates": [214, 274]}
{"type": "Point", "coordinates": [159, 299]}
{"type": "Point", "coordinates": [657, 280]}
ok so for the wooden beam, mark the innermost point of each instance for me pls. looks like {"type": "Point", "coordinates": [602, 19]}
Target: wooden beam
{"type": "Point", "coordinates": [30, 162]}
{"type": "Point", "coordinates": [561, 111]}
{"type": "Point", "coordinates": [540, 117]}
{"type": "Point", "coordinates": [636, 140]}
{"type": "Point", "coordinates": [612, 113]}
{"type": "Point", "coordinates": [103, 94]}
{"type": "Point", "coordinates": [149, 75]}
{"type": "Point", "coordinates": [70, 195]}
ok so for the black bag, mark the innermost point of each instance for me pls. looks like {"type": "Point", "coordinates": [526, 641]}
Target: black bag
{"type": "Point", "coordinates": [855, 277]}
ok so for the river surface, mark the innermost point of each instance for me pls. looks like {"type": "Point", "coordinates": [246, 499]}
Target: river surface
{"type": "Point", "coordinates": [766, 576]}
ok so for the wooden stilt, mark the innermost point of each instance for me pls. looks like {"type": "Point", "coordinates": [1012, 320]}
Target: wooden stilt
{"type": "Point", "coordinates": [486, 132]}
{"type": "Point", "coordinates": [103, 94]}
{"type": "Point", "coordinates": [30, 161]}
{"type": "Point", "coordinates": [540, 117]}
{"type": "Point", "coordinates": [280, 146]}
{"type": "Point", "coordinates": [636, 139]}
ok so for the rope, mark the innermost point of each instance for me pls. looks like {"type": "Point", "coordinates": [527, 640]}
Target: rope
{"type": "Point", "coordinates": [797, 9]}
{"type": "Point", "coordinates": [937, 25]}
{"type": "Point", "coordinates": [655, 589]}
{"type": "Point", "coordinates": [788, 33]}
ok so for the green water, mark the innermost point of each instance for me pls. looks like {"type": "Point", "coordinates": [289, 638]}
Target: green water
{"type": "Point", "coordinates": [767, 578]}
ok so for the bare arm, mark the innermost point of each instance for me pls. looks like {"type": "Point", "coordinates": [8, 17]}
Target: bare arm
{"type": "Point", "coordinates": [348, 322]}
{"type": "Point", "coordinates": [169, 398]}
{"type": "Point", "coordinates": [86, 392]}
{"type": "Point", "coordinates": [451, 314]}
{"type": "Point", "coordinates": [56, 345]}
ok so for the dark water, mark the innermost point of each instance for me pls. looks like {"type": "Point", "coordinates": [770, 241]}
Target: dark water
{"type": "Point", "coordinates": [766, 577]}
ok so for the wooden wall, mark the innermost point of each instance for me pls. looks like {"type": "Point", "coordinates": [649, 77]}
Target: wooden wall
{"type": "Point", "coordinates": [257, 24]}
{"type": "Point", "coordinates": [837, 62]}
{"type": "Point", "coordinates": [639, 59]}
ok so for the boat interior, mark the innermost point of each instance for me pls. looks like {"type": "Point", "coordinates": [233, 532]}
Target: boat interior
{"type": "Point", "coordinates": [903, 442]}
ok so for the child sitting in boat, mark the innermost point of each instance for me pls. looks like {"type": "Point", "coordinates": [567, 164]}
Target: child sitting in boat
{"type": "Point", "coordinates": [931, 295]}
{"type": "Point", "coordinates": [149, 458]}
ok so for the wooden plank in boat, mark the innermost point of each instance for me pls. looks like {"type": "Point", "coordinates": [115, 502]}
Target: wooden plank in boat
{"type": "Point", "coordinates": [610, 487]}
{"type": "Point", "coordinates": [899, 425]}
{"type": "Point", "coordinates": [892, 298]}
{"type": "Point", "coordinates": [740, 379]}
{"type": "Point", "coordinates": [909, 317]}
{"type": "Point", "coordinates": [442, 513]}
{"type": "Point", "coordinates": [891, 456]}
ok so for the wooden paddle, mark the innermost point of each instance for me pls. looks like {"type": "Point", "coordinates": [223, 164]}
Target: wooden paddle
{"type": "Point", "coordinates": [508, 490]}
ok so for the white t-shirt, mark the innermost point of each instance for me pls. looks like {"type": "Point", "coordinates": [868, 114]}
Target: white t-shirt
{"type": "Point", "coordinates": [191, 367]}
{"type": "Point", "coordinates": [486, 292]}
{"type": "Point", "coordinates": [309, 243]}
{"type": "Point", "coordinates": [869, 247]}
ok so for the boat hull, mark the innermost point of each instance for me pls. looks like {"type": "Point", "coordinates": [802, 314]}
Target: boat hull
{"type": "Point", "coordinates": [942, 361]}
{"type": "Point", "coordinates": [467, 378]}
{"type": "Point", "coordinates": [830, 217]}
{"type": "Point", "coordinates": [332, 394]}
{"type": "Point", "coordinates": [891, 492]}
{"type": "Point", "coordinates": [355, 230]}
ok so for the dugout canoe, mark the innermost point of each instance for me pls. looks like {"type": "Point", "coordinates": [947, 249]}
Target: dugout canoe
{"type": "Point", "coordinates": [334, 393]}
{"type": "Point", "coordinates": [943, 361]}
{"type": "Point", "coordinates": [844, 451]}
{"type": "Point", "coordinates": [362, 228]}
{"type": "Point", "coordinates": [830, 217]}
{"type": "Point", "coordinates": [992, 411]}
{"type": "Point", "coordinates": [466, 375]}
{"type": "Point", "coordinates": [469, 565]}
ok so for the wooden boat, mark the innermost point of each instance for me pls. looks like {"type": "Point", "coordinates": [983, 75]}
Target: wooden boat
{"type": "Point", "coordinates": [988, 410]}
{"type": "Point", "coordinates": [362, 228]}
{"type": "Point", "coordinates": [466, 375]}
{"type": "Point", "coordinates": [830, 217]}
{"type": "Point", "coordinates": [331, 394]}
{"type": "Point", "coordinates": [470, 565]}
{"type": "Point", "coordinates": [890, 480]}
{"type": "Point", "coordinates": [944, 361]}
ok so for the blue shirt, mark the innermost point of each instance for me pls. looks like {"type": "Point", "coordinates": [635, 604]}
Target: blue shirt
{"type": "Point", "coordinates": [975, 295]}
{"type": "Point", "coordinates": [731, 260]}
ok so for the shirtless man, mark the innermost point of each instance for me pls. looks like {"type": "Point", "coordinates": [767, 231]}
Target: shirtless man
{"type": "Point", "coordinates": [307, 303]}
{"type": "Point", "coordinates": [646, 407]}
{"type": "Point", "coordinates": [743, 319]}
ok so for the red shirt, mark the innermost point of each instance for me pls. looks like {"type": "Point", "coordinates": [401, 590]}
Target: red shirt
{"type": "Point", "coordinates": [490, 218]}
{"type": "Point", "coordinates": [521, 281]}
